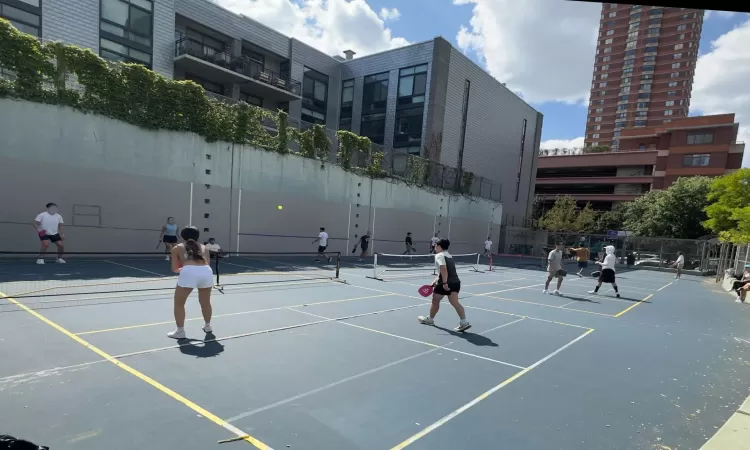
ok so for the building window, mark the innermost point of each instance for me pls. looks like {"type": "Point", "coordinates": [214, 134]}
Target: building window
{"type": "Point", "coordinates": [672, 84]}
{"type": "Point", "coordinates": [653, 31]}
{"type": "Point", "coordinates": [652, 40]}
{"type": "Point", "coordinates": [678, 46]}
{"type": "Point", "coordinates": [641, 113]}
{"type": "Point", "coordinates": [655, 12]}
{"type": "Point", "coordinates": [595, 136]}
{"type": "Point", "coordinates": [641, 105]}
{"type": "Point", "coordinates": [627, 70]}
{"type": "Point", "coordinates": [622, 107]}
{"type": "Point", "coordinates": [649, 59]}
{"type": "Point", "coordinates": [125, 30]}
{"type": "Point", "coordinates": [314, 96]}
{"type": "Point", "coordinates": [24, 15]}
{"type": "Point", "coordinates": [612, 14]}
{"type": "Point", "coordinates": [635, 16]}
{"type": "Point", "coordinates": [634, 26]}
{"type": "Point", "coordinates": [671, 93]}
{"type": "Point", "coordinates": [374, 103]}
{"type": "Point", "coordinates": [251, 99]}
{"type": "Point", "coordinates": [674, 75]}
{"type": "Point", "coordinates": [603, 84]}
{"type": "Point", "coordinates": [606, 58]}
{"type": "Point", "coordinates": [645, 95]}
{"type": "Point", "coordinates": [607, 41]}
{"type": "Point", "coordinates": [639, 123]}
{"type": "Point", "coordinates": [669, 103]}
{"type": "Point", "coordinates": [621, 115]}
{"type": "Point", "coordinates": [630, 45]}
{"type": "Point", "coordinates": [604, 67]}
{"type": "Point", "coordinates": [597, 127]}
{"type": "Point", "coordinates": [628, 62]}
{"type": "Point", "coordinates": [597, 119]}
{"type": "Point", "coordinates": [412, 85]}
{"type": "Point", "coordinates": [620, 124]}
{"type": "Point", "coordinates": [677, 55]}
{"type": "Point", "coordinates": [608, 50]}
{"type": "Point", "coordinates": [700, 160]}
{"type": "Point", "coordinates": [647, 69]}
{"type": "Point", "coordinates": [625, 90]}
{"type": "Point", "coordinates": [667, 112]}
{"type": "Point", "coordinates": [649, 50]}
{"type": "Point", "coordinates": [645, 87]}
{"type": "Point", "coordinates": [655, 21]}
{"type": "Point", "coordinates": [603, 76]}
{"type": "Point", "coordinates": [647, 76]}
{"type": "Point", "coordinates": [347, 103]}
{"type": "Point", "coordinates": [632, 36]}
{"type": "Point", "coordinates": [676, 65]}
{"type": "Point", "coordinates": [610, 32]}
{"type": "Point", "coordinates": [681, 27]}
{"type": "Point", "coordinates": [208, 86]}
{"type": "Point", "coordinates": [700, 138]}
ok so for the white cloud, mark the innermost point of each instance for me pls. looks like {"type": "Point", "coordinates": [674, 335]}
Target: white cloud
{"type": "Point", "coordinates": [543, 48]}
{"type": "Point", "coordinates": [562, 143]}
{"type": "Point", "coordinates": [331, 26]}
{"type": "Point", "coordinates": [720, 84]}
{"type": "Point", "coordinates": [718, 14]}
{"type": "Point", "coordinates": [389, 14]}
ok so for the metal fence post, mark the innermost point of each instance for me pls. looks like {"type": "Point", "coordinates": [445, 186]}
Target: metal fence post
{"type": "Point", "coordinates": [661, 251]}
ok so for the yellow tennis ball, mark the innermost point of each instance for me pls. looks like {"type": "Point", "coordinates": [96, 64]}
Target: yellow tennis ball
{"type": "Point", "coordinates": [279, 207]}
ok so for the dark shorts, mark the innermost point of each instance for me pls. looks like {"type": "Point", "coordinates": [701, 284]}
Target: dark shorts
{"type": "Point", "coordinates": [583, 264]}
{"type": "Point", "coordinates": [322, 248]}
{"type": "Point", "coordinates": [607, 276]}
{"type": "Point", "coordinates": [50, 237]}
{"type": "Point", "coordinates": [452, 287]}
{"type": "Point", "coordinates": [364, 247]}
{"type": "Point", "coordinates": [169, 239]}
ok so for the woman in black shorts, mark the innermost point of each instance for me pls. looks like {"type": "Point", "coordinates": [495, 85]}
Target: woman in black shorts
{"type": "Point", "coordinates": [364, 243]}
{"type": "Point", "coordinates": [447, 283]}
{"type": "Point", "coordinates": [169, 235]}
{"type": "Point", "coordinates": [608, 271]}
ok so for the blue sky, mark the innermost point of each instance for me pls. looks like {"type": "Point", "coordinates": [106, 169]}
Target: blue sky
{"type": "Point", "coordinates": [424, 19]}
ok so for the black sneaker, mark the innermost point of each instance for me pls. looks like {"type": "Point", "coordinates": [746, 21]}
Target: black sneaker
{"type": "Point", "coordinates": [618, 295]}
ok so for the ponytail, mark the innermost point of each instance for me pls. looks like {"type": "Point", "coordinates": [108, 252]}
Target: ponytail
{"type": "Point", "coordinates": [193, 250]}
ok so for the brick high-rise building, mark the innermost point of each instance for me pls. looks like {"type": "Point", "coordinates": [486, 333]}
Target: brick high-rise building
{"type": "Point", "coordinates": [643, 70]}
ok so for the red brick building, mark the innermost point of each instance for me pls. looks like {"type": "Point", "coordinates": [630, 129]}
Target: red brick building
{"type": "Point", "coordinates": [648, 158]}
{"type": "Point", "coordinates": [643, 69]}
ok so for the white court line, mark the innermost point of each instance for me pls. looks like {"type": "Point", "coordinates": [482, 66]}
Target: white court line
{"type": "Point", "coordinates": [493, 282]}
{"type": "Point", "coordinates": [415, 340]}
{"type": "Point", "coordinates": [455, 413]}
{"type": "Point", "coordinates": [136, 268]}
{"type": "Point", "coordinates": [350, 378]}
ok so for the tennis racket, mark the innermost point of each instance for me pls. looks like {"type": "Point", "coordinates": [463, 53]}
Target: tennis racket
{"type": "Point", "coordinates": [42, 233]}
{"type": "Point", "coordinates": [596, 274]}
{"type": "Point", "coordinates": [426, 290]}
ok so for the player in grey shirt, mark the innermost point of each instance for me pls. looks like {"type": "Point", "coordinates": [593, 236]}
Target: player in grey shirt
{"type": "Point", "coordinates": [554, 268]}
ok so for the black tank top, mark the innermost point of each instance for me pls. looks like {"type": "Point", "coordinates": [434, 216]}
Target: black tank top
{"type": "Point", "coordinates": [450, 267]}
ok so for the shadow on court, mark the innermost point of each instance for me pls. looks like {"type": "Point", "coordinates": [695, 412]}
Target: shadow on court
{"type": "Point", "coordinates": [210, 347]}
{"type": "Point", "coordinates": [476, 339]}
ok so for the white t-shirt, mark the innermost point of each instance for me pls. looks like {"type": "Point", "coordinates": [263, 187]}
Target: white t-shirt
{"type": "Point", "coordinates": [50, 223]}
{"type": "Point", "coordinates": [488, 244]}
{"type": "Point", "coordinates": [554, 260]}
{"type": "Point", "coordinates": [213, 248]}
{"type": "Point", "coordinates": [323, 236]}
{"type": "Point", "coordinates": [440, 258]}
{"type": "Point", "coordinates": [609, 262]}
{"type": "Point", "coordinates": [434, 240]}
{"type": "Point", "coordinates": [680, 260]}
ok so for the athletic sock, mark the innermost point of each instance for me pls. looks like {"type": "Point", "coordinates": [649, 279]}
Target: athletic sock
{"type": "Point", "coordinates": [464, 321]}
{"type": "Point", "coordinates": [614, 286]}
{"type": "Point", "coordinates": [596, 289]}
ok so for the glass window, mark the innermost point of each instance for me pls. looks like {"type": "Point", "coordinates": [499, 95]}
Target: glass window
{"type": "Point", "coordinates": [701, 160]}
{"type": "Point", "coordinates": [119, 52]}
{"type": "Point", "coordinates": [115, 11]}
{"type": "Point", "coordinates": [700, 138]}
{"type": "Point", "coordinates": [23, 28]}
{"type": "Point", "coordinates": [20, 15]}
{"type": "Point", "coordinates": [320, 91]}
{"type": "Point", "coordinates": [373, 127]}
{"type": "Point", "coordinates": [140, 22]}
{"type": "Point", "coordinates": [408, 128]}
{"type": "Point", "coordinates": [347, 92]}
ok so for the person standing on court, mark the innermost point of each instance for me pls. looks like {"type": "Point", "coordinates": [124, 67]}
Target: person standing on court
{"type": "Point", "coordinates": [168, 235]}
{"type": "Point", "coordinates": [582, 256]}
{"type": "Point", "coordinates": [679, 264]}
{"type": "Point", "coordinates": [433, 242]}
{"type": "Point", "coordinates": [322, 242]}
{"type": "Point", "coordinates": [447, 283]}
{"type": "Point", "coordinates": [554, 268]}
{"type": "Point", "coordinates": [409, 244]}
{"type": "Point", "coordinates": [191, 261]}
{"type": "Point", "coordinates": [488, 246]}
{"type": "Point", "coordinates": [364, 244]}
{"type": "Point", "coordinates": [49, 227]}
{"type": "Point", "coordinates": [607, 274]}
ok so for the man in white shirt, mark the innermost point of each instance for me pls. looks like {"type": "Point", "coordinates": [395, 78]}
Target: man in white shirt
{"type": "Point", "coordinates": [433, 242]}
{"type": "Point", "coordinates": [322, 241]}
{"type": "Point", "coordinates": [679, 264]}
{"type": "Point", "coordinates": [487, 246]}
{"type": "Point", "coordinates": [49, 227]}
{"type": "Point", "coordinates": [554, 268]}
{"type": "Point", "coordinates": [213, 248]}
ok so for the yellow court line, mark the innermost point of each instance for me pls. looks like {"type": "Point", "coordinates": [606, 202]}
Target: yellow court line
{"type": "Point", "coordinates": [509, 380]}
{"type": "Point", "coordinates": [144, 325]}
{"type": "Point", "coordinates": [644, 299]}
{"type": "Point", "coordinates": [155, 384]}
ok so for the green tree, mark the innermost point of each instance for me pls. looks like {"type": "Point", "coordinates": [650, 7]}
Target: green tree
{"type": "Point", "coordinates": [613, 219]}
{"type": "Point", "coordinates": [729, 209]}
{"type": "Point", "coordinates": [566, 218]}
{"type": "Point", "coordinates": [675, 212]}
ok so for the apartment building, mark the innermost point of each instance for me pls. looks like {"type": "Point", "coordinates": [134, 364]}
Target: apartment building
{"type": "Point", "coordinates": [643, 69]}
{"type": "Point", "coordinates": [649, 158]}
{"type": "Point", "coordinates": [424, 99]}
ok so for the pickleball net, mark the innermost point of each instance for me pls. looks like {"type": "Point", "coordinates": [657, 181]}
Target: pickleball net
{"type": "Point", "coordinates": [112, 273]}
{"type": "Point", "coordinates": [389, 266]}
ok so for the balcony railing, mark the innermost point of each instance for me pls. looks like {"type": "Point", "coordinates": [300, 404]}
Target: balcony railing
{"type": "Point", "coordinates": [239, 64]}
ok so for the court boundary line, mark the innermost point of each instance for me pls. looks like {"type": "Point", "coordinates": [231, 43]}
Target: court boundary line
{"type": "Point", "coordinates": [136, 268]}
{"type": "Point", "coordinates": [351, 378]}
{"type": "Point", "coordinates": [373, 330]}
{"type": "Point", "coordinates": [643, 300]}
{"type": "Point", "coordinates": [485, 395]}
{"type": "Point", "coordinates": [238, 313]}
{"type": "Point", "coordinates": [148, 380]}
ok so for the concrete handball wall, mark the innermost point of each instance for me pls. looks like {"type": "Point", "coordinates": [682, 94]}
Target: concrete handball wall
{"type": "Point", "coordinates": [116, 184]}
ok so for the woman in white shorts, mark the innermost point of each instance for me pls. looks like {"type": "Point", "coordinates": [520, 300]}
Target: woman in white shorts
{"type": "Point", "coordinates": [193, 262]}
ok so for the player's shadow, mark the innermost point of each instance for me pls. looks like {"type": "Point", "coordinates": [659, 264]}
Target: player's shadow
{"type": "Point", "coordinates": [210, 347]}
{"type": "Point", "coordinates": [476, 339]}
{"type": "Point", "coordinates": [579, 299]}
{"type": "Point", "coordinates": [589, 300]}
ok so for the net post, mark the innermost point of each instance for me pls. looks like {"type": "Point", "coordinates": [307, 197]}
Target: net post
{"type": "Point", "coordinates": [338, 264]}
{"type": "Point", "coordinates": [375, 265]}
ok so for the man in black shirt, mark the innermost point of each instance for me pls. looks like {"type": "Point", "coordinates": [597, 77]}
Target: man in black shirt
{"type": "Point", "coordinates": [447, 283]}
{"type": "Point", "coordinates": [364, 242]}
{"type": "Point", "coordinates": [409, 246]}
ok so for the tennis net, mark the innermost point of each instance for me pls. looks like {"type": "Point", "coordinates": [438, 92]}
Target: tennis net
{"type": "Point", "coordinates": [405, 266]}
{"type": "Point", "coordinates": [109, 273]}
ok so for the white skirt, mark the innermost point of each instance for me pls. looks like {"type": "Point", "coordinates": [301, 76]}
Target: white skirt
{"type": "Point", "coordinates": [196, 277]}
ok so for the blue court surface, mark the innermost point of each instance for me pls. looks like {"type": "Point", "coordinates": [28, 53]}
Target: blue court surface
{"type": "Point", "coordinates": [306, 362]}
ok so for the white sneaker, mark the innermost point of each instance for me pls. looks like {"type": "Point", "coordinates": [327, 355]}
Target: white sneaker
{"type": "Point", "coordinates": [738, 301]}
{"type": "Point", "coordinates": [556, 292]}
{"type": "Point", "coordinates": [545, 291]}
{"type": "Point", "coordinates": [426, 320]}
{"type": "Point", "coordinates": [207, 328]}
{"type": "Point", "coordinates": [60, 261]}
{"type": "Point", "coordinates": [40, 261]}
{"type": "Point", "coordinates": [177, 334]}
{"type": "Point", "coordinates": [593, 292]}
{"type": "Point", "coordinates": [462, 327]}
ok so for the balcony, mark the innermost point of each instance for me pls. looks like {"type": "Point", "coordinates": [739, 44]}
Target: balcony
{"type": "Point", "coordinates": [595, 180]}
{"type": "Point", "coordinates": [593, 197]}
{"type": "Point", "coordinates": [215, 65]}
